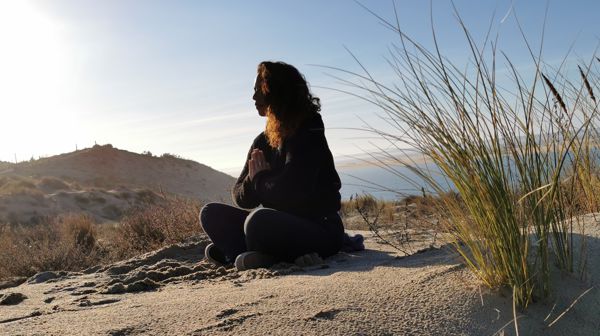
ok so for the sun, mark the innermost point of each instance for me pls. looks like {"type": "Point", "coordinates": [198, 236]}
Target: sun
{"type": "Point", "coordinates": [33, 76]}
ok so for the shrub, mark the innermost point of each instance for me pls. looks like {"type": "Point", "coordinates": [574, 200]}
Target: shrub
{"type": "Point", "coordinates": [53, 184]}
{"type": "Point", "coordinates": [145, 196]}
{"type": "Point", "coordinates": [74, 242]}
{"type": "Point", "coordinates": [79, 231]}
{"type": "Point", "coordinates": [62, 243]}
{"type": "Point", "coordinates": [170, 156]}
{"type": "Point", "coordinates": [82, 199]}
{"type": "Point", "coordinates": [149, 227]}
{"type": "Point", "coordinates": [16, 185]}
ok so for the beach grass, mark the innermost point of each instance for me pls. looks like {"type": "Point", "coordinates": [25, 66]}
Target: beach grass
{"type": "Point", "coordinates": [523, 159]}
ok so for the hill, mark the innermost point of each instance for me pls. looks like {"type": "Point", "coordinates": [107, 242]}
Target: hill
{"type": "Point", "coordinates": [102, 181]}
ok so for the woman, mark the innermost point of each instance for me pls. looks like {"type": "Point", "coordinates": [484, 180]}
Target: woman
{"type": "Point", "coordinates": [289, 170]}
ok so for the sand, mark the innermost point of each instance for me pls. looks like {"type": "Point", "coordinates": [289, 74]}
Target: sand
{"type": "Point", "coordinates": [374, 292]}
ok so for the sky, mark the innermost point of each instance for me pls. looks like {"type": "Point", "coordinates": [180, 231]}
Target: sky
{"type": "Point", "coordinates": [177, 76]}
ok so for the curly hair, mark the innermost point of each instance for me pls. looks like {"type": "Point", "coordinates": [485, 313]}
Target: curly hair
{"type": "Point", "coordinates": [289, 101]}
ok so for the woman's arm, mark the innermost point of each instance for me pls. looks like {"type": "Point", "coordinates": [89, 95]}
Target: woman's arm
{"type": "Point", "coordinates": [243, 192]}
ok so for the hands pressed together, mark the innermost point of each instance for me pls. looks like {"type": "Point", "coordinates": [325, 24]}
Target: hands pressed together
{"type": "Point", "coordinates": [257, 163]}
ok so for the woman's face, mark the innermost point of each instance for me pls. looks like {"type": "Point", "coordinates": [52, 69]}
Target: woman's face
{"type": "Point", "coordinates": [259, 98]}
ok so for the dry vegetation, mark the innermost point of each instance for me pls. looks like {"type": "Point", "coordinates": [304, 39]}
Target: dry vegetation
{"type": "Point", "coordinates": [74, 242]}
{"type": "Point", "coordinates": [398, 223]}
{"type": "Point", "coordinates": [147, 228]}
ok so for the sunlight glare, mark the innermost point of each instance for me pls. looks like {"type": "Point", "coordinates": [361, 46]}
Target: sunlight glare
{"type": "Point", "coordinates": [33, 79]}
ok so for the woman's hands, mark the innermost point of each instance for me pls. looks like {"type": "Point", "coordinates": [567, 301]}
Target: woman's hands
{"type": "Point", "coordinates": [257, 163]}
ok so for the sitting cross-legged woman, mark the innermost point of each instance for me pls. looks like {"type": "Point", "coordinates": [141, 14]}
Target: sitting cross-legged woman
{"type": "Point", "coordinates": [289, 172]}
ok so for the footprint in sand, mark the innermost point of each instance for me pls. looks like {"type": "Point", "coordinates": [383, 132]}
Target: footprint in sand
{"type": "Point", "coordinates": [226, 312]}
{"type": "Point", "coordinates": [329, 314]}
{"type": "Point", "coordinates": [89, 303]}
{"type": "Point", "coordinates": [11, 298]}
{"type": "Point", "coordinates": [121, 332]}
{"type": "Point", "coordinates": [225, 325]}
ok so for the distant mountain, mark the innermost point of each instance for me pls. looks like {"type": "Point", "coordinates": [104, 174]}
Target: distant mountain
{"type": "Point", "coordinates": [102, 181]}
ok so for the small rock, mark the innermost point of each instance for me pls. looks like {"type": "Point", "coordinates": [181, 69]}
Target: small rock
{"type": "Point", "coordinates": [43, 277]}
{"type": "Point", "coordinates": [11, 298]}
{"type": "Point", "coordinates": [12, 282]}
{"type": "Point", "coordinates": [84, 303]}
{"type": "Point", "coordinates": [93, 269]}
{"type": "Point", "coordinates": [117, 288]}
{"type": "Point", "coordinates": [142, 286]}
{"type": "Point", "coordinates": [49, 299]}
{"type": "Point", "coordinates": [84, 292]}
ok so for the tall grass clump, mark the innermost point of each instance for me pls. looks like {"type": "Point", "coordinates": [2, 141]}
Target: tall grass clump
{"type": "Point", "coordinates": [522, 157]}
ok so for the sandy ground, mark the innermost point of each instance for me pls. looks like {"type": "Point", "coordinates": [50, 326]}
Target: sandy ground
{"type": "Point", "coordinates": [373, 292]}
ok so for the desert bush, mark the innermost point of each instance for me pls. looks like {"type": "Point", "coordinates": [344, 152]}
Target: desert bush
{"type": "Point", "coordinates": [124, 195]}
{"type": "Point", "coordinates": [63, 243]}
{"type": "Point", "coordinates": [82, 199]}
{"type": "Point", "coordinates": [74, 242]}
{"type": "Point", "coordinates": [53, 184]}
{"type": "Point", "coordinates": [16, 185]}
{"type": "Point", "coordinates": [170, 156]}
{"type": "Point", "coordinates": [348, 207]}
{"type": "Point", "coordinates": [154, 225]}
{"type": "Point", "coordinates": [79, 230]}
{"type": "Point", "coordinates": [510, 155]}
{"type": "Point", "coordinates": [145, 196]}
{"type": "Point", "coordinates": [3, 180]}
{"type": "Point", "coordinates": [112, 211]}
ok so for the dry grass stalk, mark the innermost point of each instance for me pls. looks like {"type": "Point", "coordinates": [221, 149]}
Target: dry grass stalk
{"type": "Point", "coordinates": [555, 93]}
{"type": "Point", "coordinates": [587, 84]}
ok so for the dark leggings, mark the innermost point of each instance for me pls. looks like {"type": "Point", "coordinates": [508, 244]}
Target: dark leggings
{"type": "Point", "coordinates": [270, 231]}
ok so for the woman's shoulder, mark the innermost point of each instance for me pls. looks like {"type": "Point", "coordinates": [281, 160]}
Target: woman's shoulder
{"type": "Point", "coordinates": [313, 124]}
{"type": "Point", "coordinates": [312, 131]}
{"type": "Point", "coordinates": [260, 141]}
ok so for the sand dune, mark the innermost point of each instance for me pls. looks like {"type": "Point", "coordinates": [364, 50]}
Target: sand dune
{"type": "Point", "coordinates": [374, 292]}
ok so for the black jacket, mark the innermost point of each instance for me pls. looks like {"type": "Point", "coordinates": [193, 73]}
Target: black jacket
{"type": "Point", "coordinates": [302, 179]}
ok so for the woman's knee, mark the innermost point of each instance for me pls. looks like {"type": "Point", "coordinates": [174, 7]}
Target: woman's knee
{"type": "Point", "coordinates": [258, 221]}
{"type": "Point", "coordinates": [209, 215]}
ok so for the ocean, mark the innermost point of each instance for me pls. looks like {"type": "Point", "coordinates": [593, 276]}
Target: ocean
{"type": "Point", "coordinates": [381, 183]}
